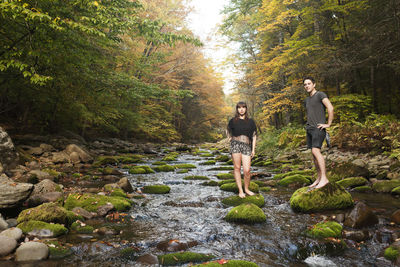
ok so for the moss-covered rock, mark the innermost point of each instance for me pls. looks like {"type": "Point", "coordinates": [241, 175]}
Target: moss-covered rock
{"type": "Point", "coordinates": [196, 177]}
{"type": "Point", "coordinates": [210, 183]}
{"type": "Point", "coordinates": [91, 202]}
{"type": "Point", "coordinates": [236, 200]}
{"type": "Point", "coordinates": [325, 229]}
{"type": "Point", "coordinates": [348, 169]}
{"type": "Point", "coordinates": [183, 257]}
{"type": "Point", "coordinates": [143, 169]}
{"type": "Point", "coordinates": [164, 168]}
{"type": "Point", "coordinates": [391, 253]}
{"type": "Point", "coordinates": [130, 158]}
{"type": "Point", "coordinates": [185, 166]}
{"type": "Point", "coordinates": [228, 263]}
{"type": "Point", "coordinates": [55, 228]}
{"type": "Point", "coordinates": [331, 196]}
{"type": "Point", "coordinates": [265, 188]}
{"type": "Point", "coordinates": [363, 189]}
{"type": "Point", "coordinates": [227, 182]}
{"type": "Point", "coordinates": [182, 171]}
{"type": "Point", "coordinates": [225, 176]}
{"type": "Point", "coordinates": [306, 173]}
{"type": "Point", "coordinates": [385, 186]}
{"type": "Point", "coordinates": [57, 250]}
{"type": "Point", "coordinates": [55, 174]}
{"type": "Point", "coordinates": [223, 158]}
{"type": "Point", "coordinates": [105, 160]}
{"type": "Point", "coordinates": [156, 189]}
{"type": "Point", "coordinates": [396, 191]}
{"type": "Point", "coordinates": [206, 155]}
{"type": "Point", "coordinates": [86, 229]}
{"type": "Point", "coordinates": [47, 212]}
{"type": "Point", "coordinates": [159, 163]}
{"type": "Point", "coordinates": [222, 168]}
{"type": "Point", "coordinates": [294, 179]}
{"type": "Point", "coordinates": [248, 213]}
{"type": "Point", "coordinates": [117, 192]}
{"type": "Point", "coordinates": [352, 182]}
{"type": "Point", "coordinates": [229, 162]}
{"type": "Point", "coordinates": [208, 162]}
{"type": "Point", "coordinates": [172, 156]}
{"type": "Point", "coordinates": [231, 187]}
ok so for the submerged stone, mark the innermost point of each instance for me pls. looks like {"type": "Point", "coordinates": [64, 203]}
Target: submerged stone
{"type": "Point", "coordinates": [325, 229]}
{"type": "Point", "coordinates": [156, 189]}
{"type": "Point", "coordinates": [236, 200]}
{"type": "Point", "coordinates": [331, 196]}
{"type": "Point", "coordinates": [246, 213]}
{"type": "Point", "coordinates": [183, 257]}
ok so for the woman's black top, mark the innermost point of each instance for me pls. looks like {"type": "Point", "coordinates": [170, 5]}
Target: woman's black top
{"type": "Point", "coordinates": [237, 127]}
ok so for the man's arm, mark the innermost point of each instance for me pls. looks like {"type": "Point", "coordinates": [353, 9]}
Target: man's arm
{"type": "Point", "coordinates": [329, 107]}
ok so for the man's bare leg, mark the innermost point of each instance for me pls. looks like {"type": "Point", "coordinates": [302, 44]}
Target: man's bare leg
{"type": "Point", "coordinates": [318, 173]}
{"type": "Point", "coordinates": [246, 161]}
{"type": "Point", "coordinates": [236, 158]}
{"type": "Point", "coordinates": [321, 165]}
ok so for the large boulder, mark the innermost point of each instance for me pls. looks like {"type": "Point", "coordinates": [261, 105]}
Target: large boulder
{"type": "Point", "coordinates": [82, 154]}
{"type": "Point", "coordinates": [331, 196]}
{"type": "Point", "coordinates": [7, 245]}
{"type": "Point", "coordinates": [14, 233]}
{"type": "Point", "coordinates": [46, 186]}
{"type": "Point", "coordinates": [60, 157]}
{"type": "Point", "coordinates": [32, 251]}
{"type": "Point", "coordinates": [125, 185]}
{"type": "Point", "coordinates": [47, 212]}
{"type": "Point", "coordinates": [12, 194]}
{"type": "Point", "coordinates": [8, 153]}
{"type": "Point", "coordinates": [248, 213]}
{"type": "Point", "coordinates": [361, 216]}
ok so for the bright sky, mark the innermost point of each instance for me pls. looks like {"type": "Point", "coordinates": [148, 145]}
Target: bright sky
{"type": "Point", "coordinates": [204, 22]}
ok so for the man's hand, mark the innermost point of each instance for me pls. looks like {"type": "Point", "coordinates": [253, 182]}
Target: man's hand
{"type": "Point", "coordinates": [253, 153]}
{"type": "Point", "coordinates": [322, 126]}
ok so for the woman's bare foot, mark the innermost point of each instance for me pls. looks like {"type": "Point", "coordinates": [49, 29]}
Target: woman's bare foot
{"type": "Point", "coordinates": [249, 193]}
{"type": "Point", "coordinates": [242, 195]}
{"type": "Point", "coordinates": [322, 184]}
{"type": "Point", "coordinates": [315, 183]}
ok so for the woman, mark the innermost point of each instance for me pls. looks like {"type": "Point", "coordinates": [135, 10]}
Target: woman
{"type": "Point", "coordinates": [242, 133]}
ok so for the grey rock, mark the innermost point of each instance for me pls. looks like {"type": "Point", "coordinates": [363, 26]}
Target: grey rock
{"type": "Point", "coordinates": [148, 259]}
{"type": "Point", "coordinates": [41, 175]}
{"type": "Point", "coordinates": [360, 163]}
{"type": "Point", "coordinates": [12, 222]}
{"type": "Point", "coordinates": [84, 213]}
{"type": "Point", "coordinates": [45, 186]}
{"type": "Point", "coordinates": [103, 210]}
{"type": "Point", "coordinates": [13, 232]}
{"type": "Point", "coordinates": [357, 236]}
{"type": "Point", "coordinates": [3, 223]}
{"type": "Point", "coordinates": [125, 185]}
{"type": "Point", "coordinates": [43, 233]}
{"type": "Point", "coordinates": [32, 251]}
{"type": "Point", "coordinates": [74, 157]}
{"type": "Point", "coordinates": [83, 155]}
{"type": "Point", "coordinates": [8, 153]}
{"type": "Point", "coordinates": [36, 151]}
{"type": "Point", "coordinates": [47, 148]}
{"type": "Point", "coordinates": [361, 216]}
{"type": "Point", "coordinates": [7, 245]}
{"type": "Point", "coordinates": [38, 199]}
{"type": "Point", "coordinates": [12, 194]}
{"type": "Point", "coordinates": [60, 157]}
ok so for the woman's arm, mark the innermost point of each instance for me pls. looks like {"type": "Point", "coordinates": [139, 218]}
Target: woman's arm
{"type": "Point", "coordinates": [253, 149]}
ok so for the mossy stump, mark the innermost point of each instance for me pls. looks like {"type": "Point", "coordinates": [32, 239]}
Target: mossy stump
{"type": "Point", "coordinates": [331, 196]}
{"type": "Point", "coordinates": [247, 213]}
{"type": "Point", "coordinates": [227, 263]}
{"type": "Point", "coordinates": [236, 200]}
{"type": "Point", "coordinates": [156, 189]}
{"type": "Point", "coordinates": [325, 229]}
{"type": "Point", "coordinates": [232, 187]}
{"type": "Point", "coordinates": [183, 257]}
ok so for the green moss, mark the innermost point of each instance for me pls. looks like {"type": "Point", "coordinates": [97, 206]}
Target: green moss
{"type": "Point", "coordinates": [185, 166]}
{"type": "Point", "coordinates": [236, 200]}
{"type": "Point", "coordinates": [91, 202]}
{"type": "Point", "coordinates": [57, 250]}
{"type": "Point", "coordinates": [196, 177]}
{"type": "Point", "coordinates": [142, 169]}
{"type": "Point", "coordinates": [134, 158]}
{"type": "Point", "coordinates": [391, 253]}
{"type": "Point", "coordinates": [265, 188]}
{"type": "Point", "coordinates": [222, 168]}
{"type": "Point", "coordinates": [54, 173]}
{"type": "Point", "coordinates": [128, 253]}
{"type": "Point", "coordinates": [72, 217]}
{"type": "Point", "coordinates": [229, 263]}
{"type": "Point", "coordinates": [182, 171]}
{"type": "Point", "coordinates": [294, 179]}
{"type": "Point", "coordinates": [352, 182]}
{"type": "Point", "coordinates": [47, 212]}
{"type": "Point", "coordinates": [118, 192]}
{"type": "Point", "coordinates": [105, 160]}
{"type": "Point", "coordinates": [246, 213]}
{"type": "Point", "coordinates": [396, 191]}
{"type": "Point", "coordinates": [325, 229]}
{"type": "Point", "coordinates": [183, 257]}
{"type": "Point", "coordinates": [164, 168]}
{"type": "Point", "coordinates": [172, 156]}
{"type": "Point", "coordinates": [348, 169]}
{"type": "Point", "coordinates": [363, 189]}
{"type": "Point", "coordinates": [87, 229]}
{"type": "Point", "coordinates": [231, 187]}
{"type": "Point", "coordinates": [385, 186]}
{"type": "Point", "coordinates": [208, 162]}
{"type": "Point", "coordinates": [223, 158]}
{"type": "Point", "coordinates": [159, 163]}
{"type": "Point", "coordinates": [210, 183]}
{"type": "Point", "coordinates": [107, 170]}
{"type": "Point", "coordinates": [29, 226]}
{"type": "Point", "coordinates": [156, 189]}
{"type": "Point", "coordinates": [280, 176]}
{"type": "Point", "coordinates": [76, 175]}
{"type": "Point", "coordinates": [227, 182]}
{"type": "Point", "coordinates": [229, 162]}
{"type": "Point", "coordinates": [331, 196]}
{"type": "Point", "coordinates": [225, 176]}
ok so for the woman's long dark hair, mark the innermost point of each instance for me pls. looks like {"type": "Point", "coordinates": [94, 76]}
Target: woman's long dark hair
{"type": "Point", "coordinates": [239, 105]}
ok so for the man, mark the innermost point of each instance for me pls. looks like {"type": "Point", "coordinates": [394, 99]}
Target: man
{"type": "Point", "coordinates": [316, 104]}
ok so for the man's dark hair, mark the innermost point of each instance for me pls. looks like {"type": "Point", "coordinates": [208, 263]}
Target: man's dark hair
{"type": "Point", "coordinates": [309, 78]}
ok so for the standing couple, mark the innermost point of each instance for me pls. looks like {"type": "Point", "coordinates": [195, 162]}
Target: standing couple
{"type": "Point", "coordinates": [242, 132]}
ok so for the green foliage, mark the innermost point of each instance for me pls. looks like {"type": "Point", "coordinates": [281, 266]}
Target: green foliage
{"type": "Point", "coordinates": [391, 253]}
{"type": "Point", "coordinates": [351, 108]}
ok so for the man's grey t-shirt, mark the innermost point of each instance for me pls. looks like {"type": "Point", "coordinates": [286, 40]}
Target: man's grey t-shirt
{"type": "Point", "coordinates": [315, 109]}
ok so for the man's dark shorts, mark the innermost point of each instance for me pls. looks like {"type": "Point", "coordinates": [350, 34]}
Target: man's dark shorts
{"type": "Point", "coordinates": [315, 137]}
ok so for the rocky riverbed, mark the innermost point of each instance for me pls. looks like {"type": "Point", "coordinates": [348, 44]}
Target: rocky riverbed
{"type": "Point", "coordinates": [65, 201]}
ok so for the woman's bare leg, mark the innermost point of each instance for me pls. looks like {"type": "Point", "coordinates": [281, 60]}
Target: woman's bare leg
{"type": "Point", "coordinates": [246, 161]}
{"type": "Point", "coordinates": [236, 158]}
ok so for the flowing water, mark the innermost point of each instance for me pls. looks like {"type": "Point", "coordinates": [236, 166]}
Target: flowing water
{"type": "Point", "coordinates": [192, 212]}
